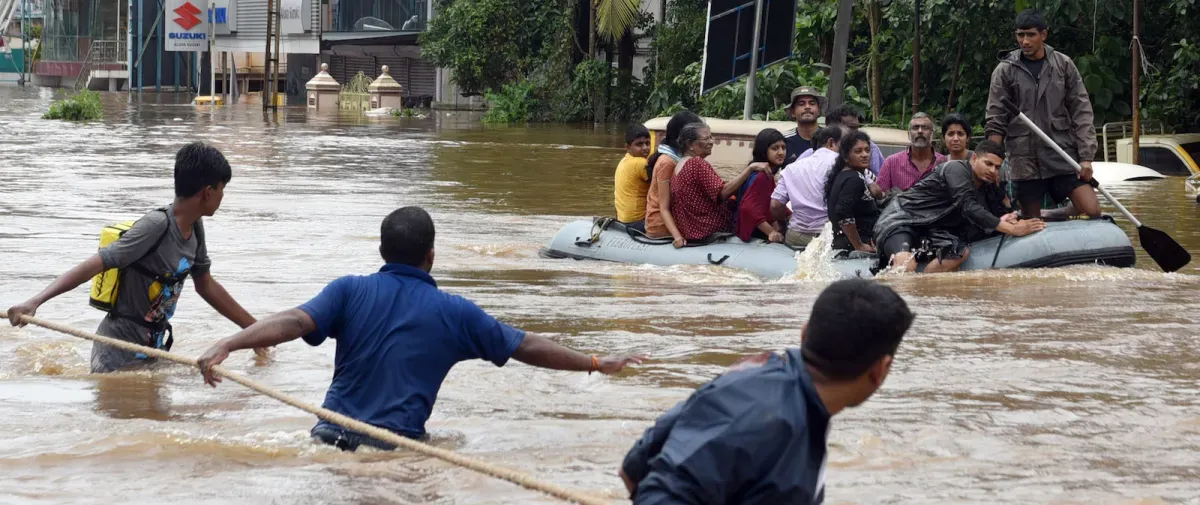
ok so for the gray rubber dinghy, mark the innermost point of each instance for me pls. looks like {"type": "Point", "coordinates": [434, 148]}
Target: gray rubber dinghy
{"type": "Point", "coordinates": [1062, 243]}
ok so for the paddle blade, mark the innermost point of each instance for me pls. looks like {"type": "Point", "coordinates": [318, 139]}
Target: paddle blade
{"type": "Point", "coordinates": [1163, 249]}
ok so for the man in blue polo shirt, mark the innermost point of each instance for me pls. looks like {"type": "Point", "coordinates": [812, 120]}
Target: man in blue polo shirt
{"type": "Point", "coordinates": [397, 337]}
{"type": "Point", "coordinates": [756, 435]}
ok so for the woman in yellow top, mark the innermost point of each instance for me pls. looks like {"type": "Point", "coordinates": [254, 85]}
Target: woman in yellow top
{"type": "Point", "coordinates": [632, 179]}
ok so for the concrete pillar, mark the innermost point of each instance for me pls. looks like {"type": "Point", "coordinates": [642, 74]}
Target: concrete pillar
{"type": "Point", "coordinates": [386, 92]}
{"type": "Point", "coordinates": [322, 90]}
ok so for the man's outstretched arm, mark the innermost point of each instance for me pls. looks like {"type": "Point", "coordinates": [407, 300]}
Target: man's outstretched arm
{"type": "Point", "coordinates": [273, 330]}
{"type": "Point", "coordinates": [542, 352]}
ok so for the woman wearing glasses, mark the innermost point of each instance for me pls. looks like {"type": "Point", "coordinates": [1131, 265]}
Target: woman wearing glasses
{"type": "Point", "coordinates": [700, 199]}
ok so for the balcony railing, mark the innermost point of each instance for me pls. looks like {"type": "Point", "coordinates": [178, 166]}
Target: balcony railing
{"type": "Point", "coordinates": [380, 16]}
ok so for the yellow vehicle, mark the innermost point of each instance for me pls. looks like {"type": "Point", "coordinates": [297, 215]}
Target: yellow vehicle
{"type": "Point", "coordinates": [734, 138]}
{"type": "Point", "coordinates": [1166, 153]}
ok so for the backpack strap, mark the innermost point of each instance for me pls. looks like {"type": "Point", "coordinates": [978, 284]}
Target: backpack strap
{"type": "Point", "coordinates": [136, 265]}
{"type": "Point", "coordinates": [167, 338]}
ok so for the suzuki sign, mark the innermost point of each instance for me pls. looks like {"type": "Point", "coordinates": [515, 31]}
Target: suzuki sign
{"type": "Point", "coordinates": [187, 26]}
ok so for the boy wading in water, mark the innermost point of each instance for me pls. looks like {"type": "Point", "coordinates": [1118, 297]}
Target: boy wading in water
{"type": "Point", "coordinates": [156, 256]}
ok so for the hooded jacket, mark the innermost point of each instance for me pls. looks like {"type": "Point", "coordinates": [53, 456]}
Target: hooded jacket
{"type": "Point", "coordinates": [1057, 102]}
{"type": "Point", "coordinates": [945, 199]}
{"type": "Point", "coordinates": [750, 437]}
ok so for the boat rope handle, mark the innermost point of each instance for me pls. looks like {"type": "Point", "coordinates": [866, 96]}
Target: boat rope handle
{"type": "Point", "coordinates": [519, 478]}
{"type": "Point", "coordinates": [717, 262]}
{"type": "Point", "coordinates": [1003, 236]}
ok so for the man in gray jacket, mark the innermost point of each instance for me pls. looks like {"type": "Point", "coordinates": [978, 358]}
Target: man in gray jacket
{"type": "Point", "coordinates": [1047, 87]}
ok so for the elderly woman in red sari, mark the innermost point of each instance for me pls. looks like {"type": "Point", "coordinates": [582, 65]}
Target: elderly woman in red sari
{"type": "Point", "coordinates": [700, 199]}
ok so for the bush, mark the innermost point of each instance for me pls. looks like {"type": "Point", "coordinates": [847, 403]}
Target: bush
{"type": "Point", "coordinates": [83, 106]}
{"type": "Point", "coordinates": [511, 105]}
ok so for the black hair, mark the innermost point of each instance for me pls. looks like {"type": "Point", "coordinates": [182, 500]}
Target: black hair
{"type": "Point", "coordinates": [406, 236]}
{"type": "Point", "coordinates": [197, 166]}
{"type": "Point", "coordinates": [955, 118]}
{"type": "Point", "coordinates": [1031, 18]}
{"type": "Point", "coordinates": [763, 142]}
{"type": "Point", "coordinates": [671, 137]}
{"type": "Point", "coordinates": [635, 132]}
{"type": "Point", "coordinates": [689, 136]}
{"type": "Point", "coordinates": [990, 146]}
{"type": "Point", "coordinates": [844, 149]}
{"type": "Point", "coordinates": [835, 116]}
{"type": "Point", "coordinates": [826, 134]}
{"type": "Point", "coordinates": [853, 324]}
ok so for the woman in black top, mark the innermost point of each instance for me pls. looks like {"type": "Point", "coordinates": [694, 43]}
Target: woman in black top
{"type": "Point", "coordinates": [852, 209]}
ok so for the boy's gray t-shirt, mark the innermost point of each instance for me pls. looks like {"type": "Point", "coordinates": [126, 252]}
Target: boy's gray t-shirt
{"type": "Point", "coordinates": [141, 296]}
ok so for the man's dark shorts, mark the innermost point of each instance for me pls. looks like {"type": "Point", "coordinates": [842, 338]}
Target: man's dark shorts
{"type": "Point", "coordinates": [925, 245]}
{"type": "Point", "coordinates": [344, 439]}
{"type": "Point", "coordinates": [1058, 187]}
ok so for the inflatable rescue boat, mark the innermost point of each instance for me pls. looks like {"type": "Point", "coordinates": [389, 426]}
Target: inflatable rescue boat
{"type": "Point", "coordinates": [1062, 243]}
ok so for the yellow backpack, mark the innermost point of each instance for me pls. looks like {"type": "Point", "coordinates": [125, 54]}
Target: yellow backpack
{"type": "Point", "coordinates": [106, 284]}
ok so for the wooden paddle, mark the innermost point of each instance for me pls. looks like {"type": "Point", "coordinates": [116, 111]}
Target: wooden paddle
{"type": "Point", "coordinates": [1165, 251]}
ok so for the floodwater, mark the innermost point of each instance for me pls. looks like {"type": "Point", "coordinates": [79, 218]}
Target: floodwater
{"type": "Point", "coordinates": [1065, 386]}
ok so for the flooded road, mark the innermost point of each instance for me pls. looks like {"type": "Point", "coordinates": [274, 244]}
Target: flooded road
{"type": "Point", "coordinates": [1065, 386]}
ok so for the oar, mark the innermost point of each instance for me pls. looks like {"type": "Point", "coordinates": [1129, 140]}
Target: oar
{"type": "Point", "coordinates": [1161, 247]}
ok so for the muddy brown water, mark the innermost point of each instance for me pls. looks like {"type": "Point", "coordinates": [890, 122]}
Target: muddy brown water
{"type": "Point", "coordinates": [1073, 385]}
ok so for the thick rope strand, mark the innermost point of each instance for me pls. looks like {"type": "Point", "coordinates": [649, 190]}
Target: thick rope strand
{"type": "Point", "coordinates": [516, 477]}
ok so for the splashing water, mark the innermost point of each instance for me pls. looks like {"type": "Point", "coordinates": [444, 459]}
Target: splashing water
{"type": "Point", "coordinates": [815, 262]}
{"type": "Point", "coordinates": [51, 358]}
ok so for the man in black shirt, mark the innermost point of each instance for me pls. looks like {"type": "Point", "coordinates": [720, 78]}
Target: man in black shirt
{"type": "Point", "coordinates": [807, 104]}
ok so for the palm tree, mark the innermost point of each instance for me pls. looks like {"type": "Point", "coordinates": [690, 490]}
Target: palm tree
{"type": "Point", "coordinates": [614, 19]}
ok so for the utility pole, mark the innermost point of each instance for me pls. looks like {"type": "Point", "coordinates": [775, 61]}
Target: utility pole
{"type": "Point", "coordinates": [841, 43]}
{"type": "Point", "coordinates": [916, 76]}
{"type": "Point", "coordinates": [748, 109]}
{"type": "Point", "coordinates": [1137, 59]}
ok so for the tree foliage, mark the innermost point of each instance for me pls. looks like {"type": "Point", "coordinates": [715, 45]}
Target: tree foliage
{"type": "Point", "coordinates": [492, 43]}
{"type": "Point", "coordinates": [615, 17]}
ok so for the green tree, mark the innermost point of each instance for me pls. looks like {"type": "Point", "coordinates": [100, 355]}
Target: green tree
{"type": "Point", "coordinates": [489, 43]}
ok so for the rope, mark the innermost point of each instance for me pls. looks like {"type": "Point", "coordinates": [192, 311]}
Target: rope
{"type": "Point", "coordinates": [516, 477]}
{"type": "Point", "coordinates": [1146, 66]}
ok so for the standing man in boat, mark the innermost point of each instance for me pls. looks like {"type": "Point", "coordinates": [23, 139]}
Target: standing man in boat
{"type": "Point", "coordinates": [1047, 87]}
{"type": "Point", "coordinates": [807, 104]}
{"type": "Point", "coordinates": [959, 202]}
{"type": "Point", "coordinates": [397, 337]}
{"type": "Point", "coordinates": [757, 434]}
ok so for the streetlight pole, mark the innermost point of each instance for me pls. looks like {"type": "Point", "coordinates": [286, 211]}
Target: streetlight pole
{"type": "Point", "coordinates": [1137, 59]}
{"type": "Point", "coordinates": [748, 108]}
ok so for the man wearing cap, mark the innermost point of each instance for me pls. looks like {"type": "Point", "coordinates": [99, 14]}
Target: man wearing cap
{"type": "Point", "coordinates": [807, 104]}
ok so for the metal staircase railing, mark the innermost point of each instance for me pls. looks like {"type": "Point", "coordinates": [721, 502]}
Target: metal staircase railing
{"type": "Point", "coordinates": [100, 52]}
{"type": "Point", "coordinates": [7, 9]}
